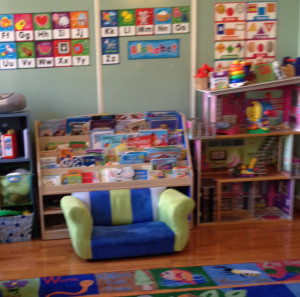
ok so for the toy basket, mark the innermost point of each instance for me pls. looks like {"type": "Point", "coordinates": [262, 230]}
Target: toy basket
{"type": "Point", "coordinates": [201, 83]}
{"type": "Point", "coordinates": [16, 228]}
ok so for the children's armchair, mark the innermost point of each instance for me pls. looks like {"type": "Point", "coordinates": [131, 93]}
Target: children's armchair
{"type": "Point", "coordinates": [127, 223]}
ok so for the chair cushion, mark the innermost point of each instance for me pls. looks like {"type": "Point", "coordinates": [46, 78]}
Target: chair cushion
{"type": "Point", "coordinates": [138, 239]}
{"type": "Point", "coordinates": [119, 207]}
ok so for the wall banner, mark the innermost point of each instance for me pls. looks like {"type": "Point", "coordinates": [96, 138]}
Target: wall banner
{"type": "Point", "coordinates": [152, 49]}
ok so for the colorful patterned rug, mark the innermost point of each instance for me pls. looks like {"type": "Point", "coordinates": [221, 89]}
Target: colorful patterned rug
{"type": "Point", "coordinates": [272, 279]}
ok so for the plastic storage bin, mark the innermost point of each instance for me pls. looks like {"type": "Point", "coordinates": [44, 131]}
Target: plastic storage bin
{"type": "Point", "coordinates": [15, 189]}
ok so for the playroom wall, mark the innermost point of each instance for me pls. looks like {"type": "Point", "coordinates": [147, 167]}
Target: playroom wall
{"type": "Point", "coordinates": [53, 92]}
{"type": "Point", "coordinates": [135, 85]}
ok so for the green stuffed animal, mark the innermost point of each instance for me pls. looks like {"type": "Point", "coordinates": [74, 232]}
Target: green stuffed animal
{"type": "Point", "coordinates": [15, 189]}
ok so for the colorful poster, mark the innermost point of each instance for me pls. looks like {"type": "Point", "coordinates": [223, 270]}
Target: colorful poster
{"type": "Point", "coordinates": [44, 54]}
{"type": "Point", "coordinates": [180, 20]}
{"type": "Point", "coordinates": [8, 55]}
{"type": "Point", "coordinates": [24, 27]}
{"type": "Point", "coordinates": [109, 23]}
{"type": "Point", "coordinates": [61, 25]}
{"type": "Point", "coordinates": [110, 51]}
{"type": "Point", "coordinates": [261, 30]}
{"type": "Point", "coordinates": [230, 12]}
{"type": "Point", "coordinates": [7, 33]}
{"type": "Point", "coordinates": [79, 24]}
{"type": "Point", "coordinates": [162, 21]}
{"type": "Point", "coordinates": [80, 52]}
{"type": "Point", "coordinates": [42, 26]}
{"type": "Point", "coordinates": [230, 31]}
{"type": "Point", "coordinates": [144, 21]}
{"type": "Point", "coordinates": [229, 50]}
{"type": "Point", "coordinates": [261, 11]}
{"type": "Point", "coordinates": [152, 49]}
{"type": "Point", "coordinates": [127, 21]}
{"type": "Point", "coordinates": [265, 49]}
{"type": "Point", "coordinates": [62, 53]}
{"type": "Point", "coordinates": [26, 54]}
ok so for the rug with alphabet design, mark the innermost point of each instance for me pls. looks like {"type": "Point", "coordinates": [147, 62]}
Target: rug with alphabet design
{"type": "Point", "coordinates": [276, 278]}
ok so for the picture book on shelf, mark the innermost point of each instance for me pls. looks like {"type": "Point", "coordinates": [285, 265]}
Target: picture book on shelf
{"type": "Point", "coordinates": [112, 141]}
{"type": "Point", "coordinates": [165, 165]}
{"type": "Point", "coordinates": [56, 127]}
{"type": "Point", "coordinates": [164, 152]}
{"type": "Point", "coordinates": [103, 124]}
{"type": "Point", "coordinates": [170, 123]}
{"type": "Point", "coordinates": [95, 137]}
{"type": "Point", "coordinates": [78, 125]}
{"type": "Point", "coordinates": [160, 136]}
{"type": "Point", "coordinates": [143, 141]}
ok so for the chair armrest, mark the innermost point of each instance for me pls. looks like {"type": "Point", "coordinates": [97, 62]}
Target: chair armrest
{"type": "Point", "coordinates": [80, 225]}
{"type": "Point", "coordinates": [173, 209]}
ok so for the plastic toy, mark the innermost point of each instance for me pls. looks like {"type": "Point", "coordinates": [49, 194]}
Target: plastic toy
{"type": "Point", "coordinates": [237, 74]}
{"type": "Point", "coordinates": [246, 171]}
{"type": "Point", "coordinates": [257, 116]}
{"type": "Point", "coordinates": [249, 74]}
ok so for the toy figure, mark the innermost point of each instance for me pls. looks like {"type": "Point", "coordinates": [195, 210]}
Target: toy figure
{"type": "Point", "coordinates": [257, 116]}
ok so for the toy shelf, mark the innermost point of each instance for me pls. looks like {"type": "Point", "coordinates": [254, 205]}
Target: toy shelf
{"type": "Point", "coordinates": [215, 144]}
{"type": "Point", "coordinates": [255, 87]}
{"type": "Point", "coordinates": [51, 216]}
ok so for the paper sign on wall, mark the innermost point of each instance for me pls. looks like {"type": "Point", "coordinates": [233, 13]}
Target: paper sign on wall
{"type": "Point", "coordinates": [80, 52]}
{"type": "Point", "coordinates": [261, 11]}
{"type": "Point", "coordinates": [144, 21]}
{"type": "Point", "coordinates": [7, 32]}
{"type": "Point", "coordinates": [26, 54]}
{"type": "Point", "coordinates": [261, 30]}
{"type": "Point", "coordinates": [44, 54]}
{"type": "Point", "coordinates": [109, 23]}
{"type": "Point", "coordinates": [42, 26]}
{"type": "Point", "coordinates": [127, 22]}
{"type": "Point", "coordinates": [162, 20]}
{"type": "Point", "coordinates": [62, 53]}
{"type": "Point", "coordinates": [152, 49]}
{"type": "Point", "coordinates": [79, 24]}
{"type": "Point", "coordinates": [229, 50]}
{"type": "Point", "coordinates": [23, 27]}
{"type": "Point", "coordinates": [61, 25]}
{"type": "Point", "coordinates": [180, 21]}
{"type": "Point", "coordinates": [8, 55]}
{"type": "Point", "coordinates": [110, 50]}
{"type": "Point", "coordinates": [265, 49]}
{"type": "Point", "coordinates": [230, 31]}
{"type": "Point", "coordinates": [230, 12]}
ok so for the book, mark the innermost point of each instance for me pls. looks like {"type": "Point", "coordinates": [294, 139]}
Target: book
{"type": "Point", "coordinates": [164, 152]}
{"type": "Point", "coordinates": [112, 141]}
{"type": "Point", "coordinates": [133, 157]}
{"type": "Point", "coordinates": [56, 127]}
{"type": "Point", "coordinates": [95, 137]}
{"type": "Point", "coordinates": [143, 141]}
{"type": "Point", "coordinates": [160, 136]}
{"type": "Point", "coordinates": [170, 123]}
{"type": "Point", "coordinates": [165, 165]}
{"type": "Point", "coordinates": [103, 124]}
{"type": "Point", "coordinates": [78, 125]}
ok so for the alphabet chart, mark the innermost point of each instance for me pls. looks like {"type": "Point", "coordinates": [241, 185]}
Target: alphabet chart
{"type": "Point", "coordinates": [139, 22]}
{"type": "Point", "coordinates": [44, 40]}
{"type": "Point", "coordinates": [244, 30]}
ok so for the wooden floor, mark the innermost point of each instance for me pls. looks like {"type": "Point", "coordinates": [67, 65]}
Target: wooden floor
{"type": "Point", "coordinates": [208, 245]}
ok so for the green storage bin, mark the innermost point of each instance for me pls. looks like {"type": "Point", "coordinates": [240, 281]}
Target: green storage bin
{"type": "Point", "coordinates": [16, 189]}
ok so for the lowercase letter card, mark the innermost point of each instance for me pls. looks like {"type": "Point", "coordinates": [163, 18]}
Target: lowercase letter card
{"type": "Point", "coordinates": [127, 22]}
{"type": "Point", "coordinates": [109, 23]}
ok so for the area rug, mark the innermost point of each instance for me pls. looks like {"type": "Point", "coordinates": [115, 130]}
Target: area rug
{"type": "Point", "coordinates": [232, 280]}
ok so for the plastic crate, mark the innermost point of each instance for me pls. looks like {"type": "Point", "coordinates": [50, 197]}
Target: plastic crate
{"type": "Point", "coordinates": [16, 228]}
{"type": "Point", "coordinates": [16, 189]}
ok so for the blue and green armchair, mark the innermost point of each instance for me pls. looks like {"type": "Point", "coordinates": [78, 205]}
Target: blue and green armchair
{"type": "Point", "coordinates": [126, 223]}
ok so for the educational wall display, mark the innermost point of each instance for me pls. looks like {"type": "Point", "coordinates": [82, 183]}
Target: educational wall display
{"type": "Point", "coordinates": [152, 49]}
{"type": "Point", "coordinates": [245, 30]}
{"type": "Point", "coordinates": [140, 22]}
{"type": "Point", "coordinates": [44, 40]}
